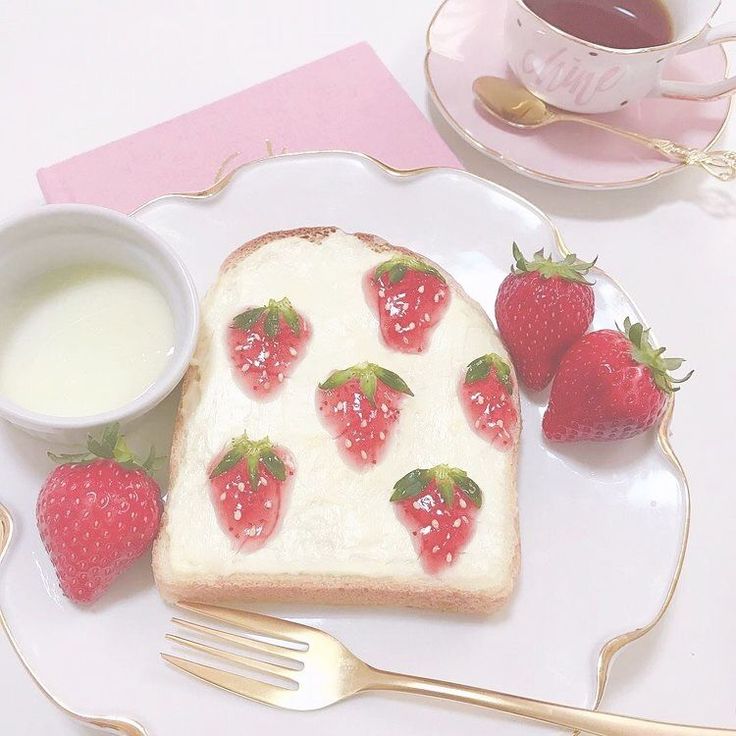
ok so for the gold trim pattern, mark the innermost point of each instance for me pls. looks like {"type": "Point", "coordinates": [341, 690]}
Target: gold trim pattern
{"type": "Point", "coordinates": [540, 175]}
{"type": "Point", "coordinates": [613, 646]}
{"type": "Point", "coordinates": [127, 727]}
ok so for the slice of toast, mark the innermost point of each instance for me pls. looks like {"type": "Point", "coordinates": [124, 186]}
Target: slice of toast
{"type": "Point", "coordinates": [339, 539]}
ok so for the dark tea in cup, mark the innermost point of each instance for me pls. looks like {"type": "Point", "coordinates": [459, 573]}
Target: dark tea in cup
{"type": "Point", "coordinates": [617, 24]}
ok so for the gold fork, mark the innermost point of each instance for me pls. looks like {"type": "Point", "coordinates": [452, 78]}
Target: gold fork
{"type": "Point", "coordinates": [309, 669]}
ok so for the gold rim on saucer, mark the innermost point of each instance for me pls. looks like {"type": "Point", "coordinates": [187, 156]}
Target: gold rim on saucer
{"type": "Point", "coordinates": [128, 727]}
{"type": "Point", "coordinates": [540, 175]}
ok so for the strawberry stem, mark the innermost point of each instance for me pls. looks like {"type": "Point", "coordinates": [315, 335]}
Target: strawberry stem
{"type": "Point", "coordinates": [368, 376]}
{"type": "Point", "coordinates": [274, 311]}
{"type": "Point", "coordinates": [570, 269]}
{"type": "Point", "coordinates": [447, 479]}
{"type": "Point", "coordinates": [481, 368]}
{"type": "Point", "coordinates": [112, 446]}
{"type": "Point", "coordinates": [642, 351]}
{"type": "Point", "coordinates": [254, 452]}
{"type": "Point", "coordinates": [397, 267]}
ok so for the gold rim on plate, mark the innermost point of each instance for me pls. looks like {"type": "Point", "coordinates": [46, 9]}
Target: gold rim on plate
{"type": "Point", "coordinates": [128, 727]}
{"type": "Point", "coordinates": [469, 138]}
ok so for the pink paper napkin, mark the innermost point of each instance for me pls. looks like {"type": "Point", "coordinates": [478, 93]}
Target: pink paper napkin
{"type": "Point", "coordinates": [346, 101]}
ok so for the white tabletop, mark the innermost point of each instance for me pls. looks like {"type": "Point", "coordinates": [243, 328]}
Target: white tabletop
{"type": "Point", "coordinates": [76, 75]}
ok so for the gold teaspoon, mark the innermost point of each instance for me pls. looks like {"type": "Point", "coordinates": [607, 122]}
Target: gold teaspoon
{"type": "Point", "coordinates": [515, 105]}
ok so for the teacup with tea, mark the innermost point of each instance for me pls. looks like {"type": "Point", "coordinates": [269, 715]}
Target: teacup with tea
{"type": "Point", "coordinates": [594, 56]}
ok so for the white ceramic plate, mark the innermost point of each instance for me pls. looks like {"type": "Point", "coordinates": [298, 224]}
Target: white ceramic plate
{"type": "Point", "coordinates": [602, 526]}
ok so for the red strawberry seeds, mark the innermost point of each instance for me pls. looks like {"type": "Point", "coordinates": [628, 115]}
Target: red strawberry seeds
{"type": "Point", "coordinates": [410, 298]}
{"type": "Point", "coordinates": [248, 486]}
{"type": "Point", "coordinates": [487, 390]}
{"type": "Point", "coordinates": [97, 513]}
{"type": "Point", "coordinates": [438, 506]}
{"type": "Point", "coordinates": [359, 406]}
{"type": "Point", "coordinates": [610, 385]}
{"type": "Point", "coordinates": [542, 307]}
{"type": "Point", "coordinates": [265, 345]}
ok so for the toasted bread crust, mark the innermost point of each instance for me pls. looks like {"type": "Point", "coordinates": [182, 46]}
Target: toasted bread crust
{"type": "Point", "coordinates": [347, 589]}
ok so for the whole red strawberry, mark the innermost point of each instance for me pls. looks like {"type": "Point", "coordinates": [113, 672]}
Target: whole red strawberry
{"type": "Point", "coordinates": [611, 385]}
{"type": "Point", "coordinates": [487, 390]}
{"type": "Point", "coordinates": [542, 307]}
{"type": "Point", "coordinates": [438, 506]}
{"type": "Point", "coordinates": [248, 486]}
{"type": "Point", "coordinates": [410, 297]}
{"type": "Point", "coordinates": [265, 344]}
{"type": "Point", "coordinates": [359, 406]}
{"type": "Point", "coordinates": [97, 513]}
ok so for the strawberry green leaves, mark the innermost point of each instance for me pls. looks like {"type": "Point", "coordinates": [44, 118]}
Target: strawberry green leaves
{"type": "Point", "coordinates": [254, 453]}
{"type": "Point", "coordinates": [338, 378]}
{"type": "Point", "coordinates": [469, 487]}
{"type": "Point", "coordinates": [642, 351]}
{"type": "Point", "coordinates": [274, 312]}
{"type": "Point", "coordinates": [570, 269]}
{"type": "Point", "coordinates": [391, 379]}
{"type": "Point", "coordinates": [271, 324]}
{"type": "Point", "coordinates": [397, 267]}
{"type": "Point", "coordinates": [445, 477]}
{"type": "Point", "coordinates": [412, 484]}
{"type": "Point", "coordinates": [247, 319]}
{"type": "Point", "coordinates": [482, 367]}
{"type": "Point", "coordinates": [368, 375]}
{"type": "Point", "coordinates": [368, 385]}
{"type": "Point", "coordinates": [274, 464]}
{"type": "Point", "coordinates": [112, 446]}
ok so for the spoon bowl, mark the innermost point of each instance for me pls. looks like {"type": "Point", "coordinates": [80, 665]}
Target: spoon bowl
{"type": "Point", "coordinates": [512, 103]}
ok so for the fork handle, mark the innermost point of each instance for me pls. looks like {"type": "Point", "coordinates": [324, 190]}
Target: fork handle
{"type": "Point", "coordinates": [588, 721]}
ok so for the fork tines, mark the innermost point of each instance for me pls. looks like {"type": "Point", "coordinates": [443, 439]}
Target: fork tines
{"type": "Point", "coordinates": [283, 649]}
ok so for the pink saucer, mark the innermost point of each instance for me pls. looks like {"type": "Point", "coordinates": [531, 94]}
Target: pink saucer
{"type": "Point", "coordinates": [465, 40]}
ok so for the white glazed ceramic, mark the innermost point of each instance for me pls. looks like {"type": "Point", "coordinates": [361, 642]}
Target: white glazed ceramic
{"type": "Point", "coordinates": [601, 526]}
{"type": "Point", "coordinates": [577, 75]}
{"type": "Point", "coordinates": [60, 235]}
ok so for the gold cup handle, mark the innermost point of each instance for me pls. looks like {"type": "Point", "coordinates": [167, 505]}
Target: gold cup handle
{"type": "Point", "coordinates": [587, 721]}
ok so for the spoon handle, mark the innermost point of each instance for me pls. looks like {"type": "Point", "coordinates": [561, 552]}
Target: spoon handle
{"type": "Point", "coordinates": [721, 164]}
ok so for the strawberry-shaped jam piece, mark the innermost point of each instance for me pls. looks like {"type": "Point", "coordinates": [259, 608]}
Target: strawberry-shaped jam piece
{"type": "Point", "coordinates": [97, 513]}
{"type": "Point", "coordinates": [248, 485]}
{"type": "Point", "coordinates": [360, 406]}
{"type": "Point", "coordinates": [487, 390]}
{"type": "Point", "coordinates": [438, 506]}
{"type": "Point", "coordinates": [265, 344]}
{"type": "Point", "coordinates": [410, 297]}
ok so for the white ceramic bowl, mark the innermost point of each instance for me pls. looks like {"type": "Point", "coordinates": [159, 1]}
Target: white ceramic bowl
{"type": "Point", "coordinates": [59, 235]}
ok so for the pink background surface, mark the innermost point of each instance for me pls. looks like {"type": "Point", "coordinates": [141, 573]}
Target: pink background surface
{"type": "Point", "coordinates": [346, 101]}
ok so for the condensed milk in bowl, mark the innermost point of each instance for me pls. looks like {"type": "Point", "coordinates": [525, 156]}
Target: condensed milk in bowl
{"type": "Point", "coordinates": [98, 320]}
